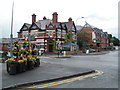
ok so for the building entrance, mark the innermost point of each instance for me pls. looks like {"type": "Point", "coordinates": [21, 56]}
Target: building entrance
{"type": "Point", "coordinates": [50, 46]}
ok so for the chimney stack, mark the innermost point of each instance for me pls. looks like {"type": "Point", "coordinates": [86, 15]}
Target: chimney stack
{"type": "Point", "coordinates": [33, 18]}
{"type": "Point", "coordinates": [70, 19]}
{"type": "Point", "coordinates": [55, 17]}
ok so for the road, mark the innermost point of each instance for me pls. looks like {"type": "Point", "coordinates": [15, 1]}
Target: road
{"type": "Point", "coordinates": [108, 63]}
{"type": "Point", "coordinates": [55, 67]}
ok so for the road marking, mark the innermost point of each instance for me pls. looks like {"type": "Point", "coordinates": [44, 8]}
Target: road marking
{"type": "Point", "coordinates": [66, 80]}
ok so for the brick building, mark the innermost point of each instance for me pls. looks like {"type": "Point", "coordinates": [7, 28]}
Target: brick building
{"type": "Point", "coordinates": [98, 38]}
{"type": "Point", "coordinates": [47, 34]}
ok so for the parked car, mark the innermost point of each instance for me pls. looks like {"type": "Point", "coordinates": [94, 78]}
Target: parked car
{"type": "Point", "coordinates": [92, 50]}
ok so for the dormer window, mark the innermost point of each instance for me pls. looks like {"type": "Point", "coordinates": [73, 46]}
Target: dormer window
{"type": "Point", "coordinates": [59, 26]}
{"type": "Point", "coordinates": [24, 28]}
{"type": "Point", "coordinates": [34, 27]}
{"type": "Point", "coordinates": [50, 26]}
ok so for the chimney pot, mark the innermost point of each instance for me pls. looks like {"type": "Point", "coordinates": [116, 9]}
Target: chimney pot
{"type": "Point", "coordinates": [33, 18]}
{"type": "Point", "coordinates": [55, 17]}
{"type": "Point", "coordinates": [70, 19]}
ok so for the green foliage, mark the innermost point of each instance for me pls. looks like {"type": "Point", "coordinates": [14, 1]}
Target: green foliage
{"type": "Point", "coordinates": [54, 45]}
{"type": "Point", "coordinates": [21, 61]}
{"type": "Point", "coordinates": [114, 40]}
{"type": "Point", "coordinates": [83, 39]}
{"type": "Point", "coordinates": [69, 37]}
{"type": "Point", "coordinates": [10, 60]}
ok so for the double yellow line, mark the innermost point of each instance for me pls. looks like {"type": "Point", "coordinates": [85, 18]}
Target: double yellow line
{"type": "Point", "coordinates": [65, 81]}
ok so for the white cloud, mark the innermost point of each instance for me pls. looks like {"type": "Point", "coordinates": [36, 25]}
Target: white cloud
{"type": "Point", "coordinates": [100, 13]}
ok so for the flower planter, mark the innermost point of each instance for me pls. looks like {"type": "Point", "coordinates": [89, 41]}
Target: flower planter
{"type": "Point", "coordinates": [12, 68]}
{"type": "Point", "coordinates": [30, 65]}
{"type": "Point", "coordinates": [37, 63]}
{"type": "Point", "coordinates": [21, 67]}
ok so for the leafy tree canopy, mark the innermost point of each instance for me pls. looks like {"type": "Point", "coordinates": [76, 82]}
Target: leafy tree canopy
{"type": "Point", "coordinates": [69, 37]}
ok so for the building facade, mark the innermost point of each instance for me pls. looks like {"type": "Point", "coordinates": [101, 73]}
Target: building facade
{"type": "Point", "coordinates": [47, 34]}
{"type": "Point", "coordinates": [98, 38]}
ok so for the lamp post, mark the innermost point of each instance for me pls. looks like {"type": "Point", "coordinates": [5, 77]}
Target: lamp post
{"type": "Point", "coordinates": [77, 19]}
{"type": "Point", "coordinates": [11, 35]}
{"type": "Point", "coordinates": [44, 42]}
{"type": "Point", "coordinates": [58, 46]}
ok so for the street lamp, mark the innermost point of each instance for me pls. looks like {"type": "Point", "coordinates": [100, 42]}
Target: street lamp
{"type": "Point", "coordinates": [58, 47]}
{"type": "Point", "coordinates": [11, 35]}
{"type": "Point", "coordinates": [77, 20]}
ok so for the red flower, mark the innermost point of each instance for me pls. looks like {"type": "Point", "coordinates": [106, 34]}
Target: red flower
{"type": "Point", "coordinates": [13, 58]}
{"type": "Point", "coordinates": [26, 57]}
{"type": "Point", "coordinates": [17, 59]}
{"type": "Point", "coordinates": [23, 57]}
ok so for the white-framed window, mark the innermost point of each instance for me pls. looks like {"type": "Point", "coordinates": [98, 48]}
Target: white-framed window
{"type": "Point", "coordinates": [24, 34]}
{"type": "Point", "coordinates": [59, 33]}
{"type": "Point", "coordinates": [63, 33]}
{"type": "Point", "coordinates": [34, 27]}
{"type": "Point", "coordinates": [50, 33]}
{"type": "Point", "coordinates": [34, 32]}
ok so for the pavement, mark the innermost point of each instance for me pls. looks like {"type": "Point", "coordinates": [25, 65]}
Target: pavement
{"type": "Point", "coordinates": [46, 71]}
{"type": "Point", "coordinates": [69, 56]}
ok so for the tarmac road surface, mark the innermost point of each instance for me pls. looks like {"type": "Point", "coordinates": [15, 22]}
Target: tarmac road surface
{"type": "Point", "coordinates": [55, 67]}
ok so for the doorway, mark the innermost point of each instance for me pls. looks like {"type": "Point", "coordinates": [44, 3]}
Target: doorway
{"type": "Point", "coordinates": [50, 46]}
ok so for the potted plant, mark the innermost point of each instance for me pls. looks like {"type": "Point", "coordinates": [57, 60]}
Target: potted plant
{"type": "Point", "coordinates": [30, 62]}
{"type": "Point", "coordinates": [20, 66]}
{"type": "Point", "coordinates": [37, 62]}
{"type": "Point", "coordinates": [11, 66]}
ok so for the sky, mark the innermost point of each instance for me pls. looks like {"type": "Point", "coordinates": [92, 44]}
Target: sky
{"type": "Point", "coordinates": [99, 13]}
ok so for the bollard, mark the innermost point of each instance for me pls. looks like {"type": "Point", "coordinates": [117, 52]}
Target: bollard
{"type": "Point", "coordinates": [87, 51]}
{"type": "Point", "coordinates": [64, 53]}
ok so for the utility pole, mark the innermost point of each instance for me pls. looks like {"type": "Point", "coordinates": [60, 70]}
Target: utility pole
{"type": "Point", "coordinates": [11, 35]}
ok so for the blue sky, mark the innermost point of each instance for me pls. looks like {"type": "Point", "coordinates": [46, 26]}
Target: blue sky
{"type": "Point", "coordinates": [100, 13]}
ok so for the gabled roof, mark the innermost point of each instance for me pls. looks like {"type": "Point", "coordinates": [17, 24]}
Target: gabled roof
{"type": "Point", "coordinates": [58, 25]}
{"type": "Point", "coordinates": [42, 23]}
{"type": "Point", "coordinates": [100, 31]}
{"type": "Point", "coordinates": [25, 26]}
{"type": "Point", "coordinates": [105, 33]}
{"type": "Point", "coordinates": [35, 26]}
{"type": "Point", "coordinates": [70, 25]}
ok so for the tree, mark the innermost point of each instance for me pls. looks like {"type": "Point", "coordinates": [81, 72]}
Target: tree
{"type": "Point", "coordinates": [110, 38]}
{"type": "Point", "coordinates": [69, 37]}
{"type": "Point", "coordinates": [83, 39]}
{"type": "Point", "coordinates": [114, 40]}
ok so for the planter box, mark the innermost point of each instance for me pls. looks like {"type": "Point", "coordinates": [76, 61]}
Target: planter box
{"type": "Point", "coordinates": [21, 67]}
{"type": "Point", "coordinates": [30, 65]}
{"type": "Point", "coordinates": [37, 63]}
{"type": "Point", "coordinates": [12, 68]}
